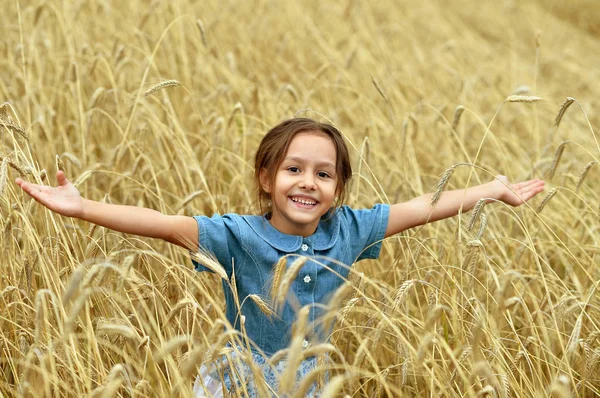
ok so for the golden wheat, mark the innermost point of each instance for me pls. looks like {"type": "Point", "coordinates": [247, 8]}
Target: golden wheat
{"type": "Point", "coordinates": [522, 98]}
{"type": "Point", "coordinates": [160, 86]}
{"type": "Point", "coordinates": [441, 185]}
{"type": "Point", "coordinates": [557, 156]}
{"type": "Point", "coordinates": [74, 327]}
{"type": "Point", "coordinates": [287, 279]}
{"type": "Point", "coordinates": [563, 108]}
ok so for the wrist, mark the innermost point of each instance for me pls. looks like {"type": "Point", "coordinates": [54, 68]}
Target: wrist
{"type": "Point", "coordinates": [83, 213]}
{"type": "Point", "coordinates": [497, 189]}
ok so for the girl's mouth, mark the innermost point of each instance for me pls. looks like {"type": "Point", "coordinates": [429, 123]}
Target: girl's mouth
{"type": "Point", "coordinates": [303, 202]}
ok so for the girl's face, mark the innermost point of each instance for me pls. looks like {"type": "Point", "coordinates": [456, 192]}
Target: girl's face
{"type": "Point", "coordinates": [305, 184]}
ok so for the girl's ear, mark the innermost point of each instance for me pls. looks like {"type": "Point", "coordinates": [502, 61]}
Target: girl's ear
{"type": "Point", "coordinates": [265, 180]}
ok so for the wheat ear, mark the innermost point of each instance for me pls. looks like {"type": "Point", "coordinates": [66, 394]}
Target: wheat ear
{"type": "Point", "coordinates": [278, 275]}
{"type": "Point", "coordinates": [261, 304]}
{"type": "Point", "coordinates": [441, 185]}
{"type": "Point", "coordinates": [457, 114]}
{"type": "Point", "coordinates": [557, 156]}
{"type": "Point", "coordinates": [522, 98]}
{"type": "Point", "coordinates": [547, 199]}
{"type": "Point", "coordinates": [114, 328]}
{"type": "Point", "coordinates": [3, 175]}
{"type": "Point", "coordinates": [563, 108]}
{"type": "Point", "coordinates": [581, 176]}
{"type": "Point", "coordinates": [476, 212]}
{"type": "Point", "coordinates": [288, 278]}
{"type": "Point", "coordinates": [160, 86]}
{"type": "Point", "coordinates": [200, 26]}
{"type": "Point", "coordinates": [402, 292]}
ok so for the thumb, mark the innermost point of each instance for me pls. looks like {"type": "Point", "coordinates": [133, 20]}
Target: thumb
{"type": "Point", "coordinates": [61, 179]}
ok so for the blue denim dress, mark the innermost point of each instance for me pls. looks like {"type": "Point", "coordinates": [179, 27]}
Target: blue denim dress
{"type": "Point", "coordinates": [248, 247]}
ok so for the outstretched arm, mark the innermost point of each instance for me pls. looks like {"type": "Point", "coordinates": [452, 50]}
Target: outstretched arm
{"type": "Point", "coordinates": [65, 199]}
{"type": "Point", "coordinates": [419, 210]}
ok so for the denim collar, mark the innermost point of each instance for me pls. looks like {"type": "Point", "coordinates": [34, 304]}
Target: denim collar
{"type": "Point", "coordinates": [324, 237]}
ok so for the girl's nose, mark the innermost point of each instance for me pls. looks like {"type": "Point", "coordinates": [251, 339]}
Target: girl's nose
{"type": "Point", "coordinates": [308, 182]}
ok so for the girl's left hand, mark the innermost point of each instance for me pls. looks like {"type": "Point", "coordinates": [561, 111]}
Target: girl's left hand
{"type": "Point", "coordinates": [519, 193]}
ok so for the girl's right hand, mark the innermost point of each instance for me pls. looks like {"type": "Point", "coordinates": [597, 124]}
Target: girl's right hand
{"type": "Point", "coordinates": [63, 199]}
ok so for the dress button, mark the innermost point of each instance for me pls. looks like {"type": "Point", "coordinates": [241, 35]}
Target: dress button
{"type": "Point", "coordinates": [304, 247]}
{"type": "Point", "coordinates": [307, 279]}
{"type": "Point", "coordinates": [305, 343]}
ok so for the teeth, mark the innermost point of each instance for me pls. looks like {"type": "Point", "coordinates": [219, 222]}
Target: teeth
{"type": "Point", "coordinates": [304, 201]}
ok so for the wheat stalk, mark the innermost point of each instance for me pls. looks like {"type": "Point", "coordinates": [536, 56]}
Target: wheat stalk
{"type": "Point", "coordinates": [9, 123]}
{"type": "Point", "coordinates": [334, 386]}
{"type": "Point", "coordinates": [40, 317]}
{"type": "Point", "coordinates": [290, 89]}
{"type": "Point", "coordinates": [207, 260]}
{"type": "Point", "coordinates": [78, 306]}
{"type": "Point", "coordinates": [261, 304]}
{"type": "Point", "coordinates": [505, 386]}
{"type": "Point", "coordinates": [574, 339]}
{"type": "Point", "coordinates": [563, 108]}
{"type": "Point", "coordinates": [435, 314]}
{"type": "Point", "coordinates": [522, 98]}
{"type": "Point", "coordinates": [402, 292]}
{"type": "Point", "coordinates": [160, 86]}
{"type": "Point", "coordinates": [476, 212]}
{"type": "Point", "coordinates": [59, 164]}
{"type": "Point", "coordinates": [457, 114]}
{"type": "Point", "coordinates": [464, 354]}
{"type": "Point", "coordinates": [83, 178]}
{"type": "Point", "coordinates": [278, 272]}
{"type": "Point", "coordinates": [114, 328]}
{"type": "Point", "coordinates": [482, 225]}
{"type": "Point", "coordinates": [200, 26]}
{"type": "Point", "coordinates": [94, 98]}
{"type": "Point", "coordinates": [340, 294]}
{"type": "Point", "coordinates": [287, 280]}
{"type": "Point", "coordinates": [73, 285]}
{"type": "Point", "coordinates": [557, 156]}
{"type": "Point", "coordinates": [487, 391]}
{"type": "Point", "coordinates": [584, 173]}
{"type": "Point", "coordinates": [347, 308]}
{"type": "Point", "coordinates": [521, 90]}
{"type": "Point", "coordinates": [179, 306]}
{"type": "Point", "coordinates": [3, 175]}
{"type": "Point", "coordinates": [547, 199]}
{"type": "Point", "coordinates": [378, 88]}
{"type": "Point", "coordinates": [441, 185]}
{"type": "Point", "coordinates": [170, 346]}
{"type": "Point", "coordinates": [294, 358]}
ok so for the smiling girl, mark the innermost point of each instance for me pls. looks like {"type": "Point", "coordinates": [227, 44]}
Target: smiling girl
{"type": "Point", "coordinates": [302, 168]}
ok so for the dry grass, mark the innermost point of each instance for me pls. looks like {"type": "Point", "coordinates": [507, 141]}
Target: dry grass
{"type": "Point", "coordinates": [509, 310]}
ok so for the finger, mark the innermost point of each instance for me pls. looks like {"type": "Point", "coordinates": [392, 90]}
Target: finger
{"type": "Point", "coordinates": [528, 183]}
{"type": "Point", "coordinates": [531, 191]}
{"type": "Point", "coordinates": [61, 178]}
{"type": "Point", "coordinates": [27, 186]}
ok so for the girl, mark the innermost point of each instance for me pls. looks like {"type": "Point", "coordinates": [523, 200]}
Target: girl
{"type": "Point", "coordinates": [301, 170]}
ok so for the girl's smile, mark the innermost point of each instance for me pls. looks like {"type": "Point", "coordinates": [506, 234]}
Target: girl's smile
{"type": "Point", "coordinates": [305, 184]}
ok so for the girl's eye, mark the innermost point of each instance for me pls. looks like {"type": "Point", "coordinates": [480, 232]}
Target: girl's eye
{"type": "Point", "coordinates": [293, 169]}
{"type": "Point", "coordinates": [323, 174]}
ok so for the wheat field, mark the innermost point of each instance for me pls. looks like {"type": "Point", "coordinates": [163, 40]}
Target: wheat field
{"type": "Point", "coordinates": [161, 104]}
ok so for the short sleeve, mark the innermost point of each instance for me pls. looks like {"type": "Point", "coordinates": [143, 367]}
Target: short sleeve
{"type": "Point", "coordinates": [214, 237]}
{"type": "Point", "coordinates": [366, 229]}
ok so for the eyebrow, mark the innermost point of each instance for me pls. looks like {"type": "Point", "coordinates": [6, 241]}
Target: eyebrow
{"type": "Point", "coordinates": [301, 160]}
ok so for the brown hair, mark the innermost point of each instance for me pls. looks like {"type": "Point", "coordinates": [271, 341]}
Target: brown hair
{"type": "Point", "coordinates": [274, 146]}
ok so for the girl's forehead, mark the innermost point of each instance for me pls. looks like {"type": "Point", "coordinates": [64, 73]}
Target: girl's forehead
{"type": "Point", "coordinates": [312, 145]}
